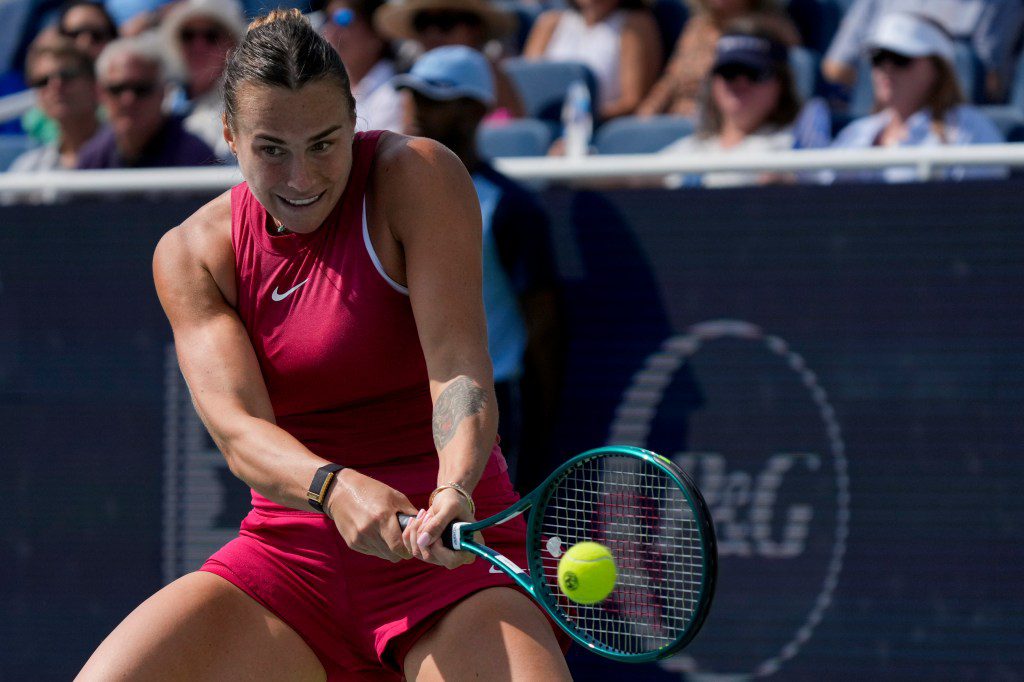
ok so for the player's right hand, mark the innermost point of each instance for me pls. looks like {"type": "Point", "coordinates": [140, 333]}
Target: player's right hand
{"type": "Point", "coordinates": [365, 513]}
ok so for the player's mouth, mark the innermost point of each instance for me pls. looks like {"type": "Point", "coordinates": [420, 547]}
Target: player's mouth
{"type": "Point", "coordinates": [302, 202]}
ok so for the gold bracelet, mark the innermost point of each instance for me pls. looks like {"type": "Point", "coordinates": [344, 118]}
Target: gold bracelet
{"type": "Point", "coordinates": [457, 488]}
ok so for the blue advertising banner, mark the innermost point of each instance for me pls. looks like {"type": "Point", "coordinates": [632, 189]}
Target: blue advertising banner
{"type": "Point", "coordinates": [840, 368]}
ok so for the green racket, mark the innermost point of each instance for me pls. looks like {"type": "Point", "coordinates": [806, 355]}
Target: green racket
{"type": "Point", "coordinates": [651, 517]}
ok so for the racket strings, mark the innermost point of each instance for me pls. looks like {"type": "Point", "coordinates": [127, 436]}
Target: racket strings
{"type": "Point", "coordinates": [640, 513]}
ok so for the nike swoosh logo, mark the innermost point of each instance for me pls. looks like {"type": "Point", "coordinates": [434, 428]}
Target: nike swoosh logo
{"type": "Point", "coordinates": [280, 297]}
{"type": "Point", "coordinates": [495, 569]}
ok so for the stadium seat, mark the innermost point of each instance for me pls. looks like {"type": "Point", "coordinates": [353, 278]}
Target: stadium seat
{"type": "Point", "coordinates": [1016, 95]}
{"type": "Point", "coordinates": [969, 72]}
{"type": "Point", "coordinates": [641, 135]}
{"type": "Point", "coordinates": [1008, 118]}
{"type": "Point", "coordinates": [521, 137]}
{"type": "Point", "coordinates": [11, 146]}
{"type": "Point", "coordinates": [804, 63]}
{"type": "Point", "coordinates": [543, 85]}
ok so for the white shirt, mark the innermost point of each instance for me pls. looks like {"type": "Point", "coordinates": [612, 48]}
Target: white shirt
{"type": "Point", "coordinates": [205, 121]}
{"type": "Point", "coordinates": [765, 139]}
{"type": "Point", "coordinates": [598, 46]}
{"type": "Point", "coordinates": [378, 104]}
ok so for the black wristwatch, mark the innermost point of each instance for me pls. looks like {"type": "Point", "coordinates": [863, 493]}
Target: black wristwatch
{"type": "Point", "coordinates": [317, 494]}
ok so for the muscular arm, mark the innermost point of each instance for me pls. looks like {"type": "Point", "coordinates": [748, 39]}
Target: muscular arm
{"type": "Point", "coordinates": [220, 368]}
{"type": "Point", "coordinates": [432, 211]}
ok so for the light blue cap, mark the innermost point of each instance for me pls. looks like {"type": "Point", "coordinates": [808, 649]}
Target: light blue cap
{"type": "Point", "coordinates": [450, 72]}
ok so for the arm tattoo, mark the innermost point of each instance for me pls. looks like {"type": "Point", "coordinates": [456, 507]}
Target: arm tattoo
{"type": "Point", "coordinates": [463, 398]}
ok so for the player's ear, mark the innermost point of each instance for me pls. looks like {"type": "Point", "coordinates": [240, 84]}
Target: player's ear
{"type": "Point", "coordinates": [229, 135]}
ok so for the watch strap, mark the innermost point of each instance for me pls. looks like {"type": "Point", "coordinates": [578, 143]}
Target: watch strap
{"type": "Point", "coordinates": [317, 493]}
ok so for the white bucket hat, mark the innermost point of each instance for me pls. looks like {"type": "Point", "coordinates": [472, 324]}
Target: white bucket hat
{"type": "Point", "coordinates": [911, 36]}
{"type": "Point", "coordinates": [227, 13]}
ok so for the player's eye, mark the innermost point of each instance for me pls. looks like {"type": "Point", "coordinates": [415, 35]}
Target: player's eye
{"type": "Point", "coordinates": [322, 146]}
{"type": "Point", "coordinates": [272, 151]}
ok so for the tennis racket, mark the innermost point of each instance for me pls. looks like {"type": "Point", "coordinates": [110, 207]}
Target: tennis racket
{"type": "Point", "coordinates": [651, 517]}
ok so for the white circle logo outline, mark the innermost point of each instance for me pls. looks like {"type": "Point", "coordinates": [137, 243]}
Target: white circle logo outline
{"type": "Point", "coordinates": [632, 425]}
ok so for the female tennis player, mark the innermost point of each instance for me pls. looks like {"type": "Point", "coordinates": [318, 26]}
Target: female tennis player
{"type": "Point", "coordinates": [328, 320]}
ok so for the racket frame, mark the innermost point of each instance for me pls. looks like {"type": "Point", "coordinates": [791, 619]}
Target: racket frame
{"type": "Point", "coordinates": [462, 534]}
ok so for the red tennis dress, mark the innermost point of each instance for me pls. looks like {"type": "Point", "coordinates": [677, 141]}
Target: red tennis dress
{"type": "Point", "coordinates": [337, 345]}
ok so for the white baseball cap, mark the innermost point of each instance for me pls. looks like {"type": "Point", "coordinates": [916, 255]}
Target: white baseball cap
{"type": "Point", "coordinates": [911, 35]}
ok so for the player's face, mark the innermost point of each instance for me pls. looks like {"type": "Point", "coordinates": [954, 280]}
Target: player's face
{"type": "Point", "coordinates": [295, 149]}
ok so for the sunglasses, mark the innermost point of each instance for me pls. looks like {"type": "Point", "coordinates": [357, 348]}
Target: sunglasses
{"type": "Point", "coordinates": [210, 36]}
{"type": "Point", "coordinates": [731, 72]}
{"type": "Point", "coordinates": [139, 90]}
{"type": "Point", "coordinates": [64, 75]}
{"type": "Point", "coordinates": [444, 21]}
{"type": "Point", "coordinates": [96, 35]}
{"type": "Point", "coordinates": [881, 57]}
{"type": "Point", "coordinates": [343, 17]}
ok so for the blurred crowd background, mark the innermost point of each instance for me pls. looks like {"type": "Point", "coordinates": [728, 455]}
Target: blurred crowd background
{"type": "Point", "coordinates": [136, 83]}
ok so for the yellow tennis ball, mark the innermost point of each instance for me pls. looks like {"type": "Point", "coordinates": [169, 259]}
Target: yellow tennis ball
{"type": "Point", "coordinates": [586, 573]}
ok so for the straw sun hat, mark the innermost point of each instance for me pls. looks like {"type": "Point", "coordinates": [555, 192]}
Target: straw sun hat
{"type": "Point", "coordinates": [394, 19]}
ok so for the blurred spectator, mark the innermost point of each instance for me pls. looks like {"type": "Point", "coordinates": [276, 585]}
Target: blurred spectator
{"type": "Point", "coordinates": [917, 97]}
{"type": "Point", "coordinates": [679, 88]}
{"type": "Point", "coordinates": [132, 77]}
{"type": "Point", "coordinates": [617, 39]}
{"type": "Point", "coordinates": [447, 94]}
{"type": "Point", "coordinates": [750, 103]}
{"type": "Point", "coordinates": [88, 24]}
{"type": "Point", "coordinates": [473, 23]}
{"type": "Point", "coordinates": [91, 29]}
{"type": "Point", "coordinates": [992, 27]}
{"type": "Point", "coordinates": [370, 62]}
{"type": "Point", "coordinates": [62, 76]}
{"type": "Point", "coordinates": [199, 34]}
{"type": "Point", "coordinates": [39, 127]}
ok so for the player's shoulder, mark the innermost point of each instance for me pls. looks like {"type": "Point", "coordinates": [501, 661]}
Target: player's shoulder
{"type": "Point", "coordinates": [204, 238]}
{"type": "Point", "coordinates": [403, 154]}
{"type": "Point", "coordinates": [416, 168]}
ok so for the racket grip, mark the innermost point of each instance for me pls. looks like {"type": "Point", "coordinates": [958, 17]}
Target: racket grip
{"type": "Point", "coordinates": [447, 537]}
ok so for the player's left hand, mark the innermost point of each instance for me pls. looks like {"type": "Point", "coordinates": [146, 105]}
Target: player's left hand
{"type": "Point", "coordinates": [422, 535]}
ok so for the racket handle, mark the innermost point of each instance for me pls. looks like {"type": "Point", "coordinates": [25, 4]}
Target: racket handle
{"type": "Point", "coordinates": [447, 537]}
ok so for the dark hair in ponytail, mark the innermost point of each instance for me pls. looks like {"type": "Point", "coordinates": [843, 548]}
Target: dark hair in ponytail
{"type": "Point", "coordinates": [281, 49]}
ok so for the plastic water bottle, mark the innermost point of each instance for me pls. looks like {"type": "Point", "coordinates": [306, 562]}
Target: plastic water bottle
{"type": "Point", "coordinates": [577, 119]}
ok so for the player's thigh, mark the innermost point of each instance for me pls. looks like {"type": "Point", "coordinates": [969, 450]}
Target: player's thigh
{"type": "Point", "coordinates": [201, 627]}
{"type": "Point", "coordinates": [495, 634]}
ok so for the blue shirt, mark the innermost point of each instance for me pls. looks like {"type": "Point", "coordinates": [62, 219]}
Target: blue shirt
{"type": "Point", "coordinates": [517, 259]}
{"type": "Point", "coordinates": [964, 125]}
